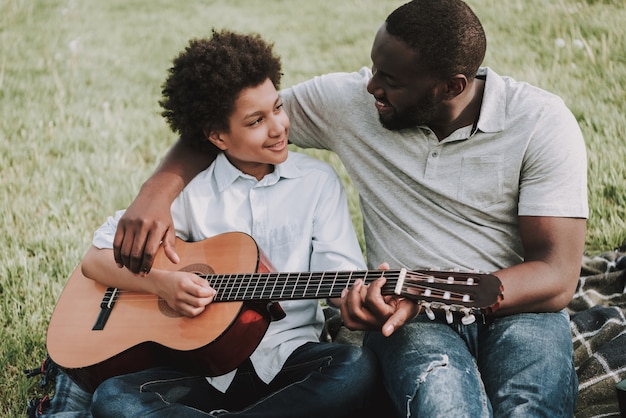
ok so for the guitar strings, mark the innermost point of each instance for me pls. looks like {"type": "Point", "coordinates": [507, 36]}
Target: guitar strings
{"type": "Point", "coordinates": [227, 284]}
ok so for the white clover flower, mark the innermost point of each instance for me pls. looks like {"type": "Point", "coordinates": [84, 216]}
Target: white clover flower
{"type": "Point", "coordinates": [560, 43]}
{"type": "Point", "coordinates": [74, 46]}
{"type": "Point", "coordinates": [578, 44]}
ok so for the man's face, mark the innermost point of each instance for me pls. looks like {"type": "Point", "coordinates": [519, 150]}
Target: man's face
{"type": "Point", "coordinates": [404, 97]}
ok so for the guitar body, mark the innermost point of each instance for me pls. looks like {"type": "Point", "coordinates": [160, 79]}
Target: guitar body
{"type": "Point", "coordinates": [143, 332]}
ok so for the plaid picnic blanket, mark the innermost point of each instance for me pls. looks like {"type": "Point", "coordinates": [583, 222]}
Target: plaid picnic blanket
{"type": "Point", "coordinates": [598, 324]}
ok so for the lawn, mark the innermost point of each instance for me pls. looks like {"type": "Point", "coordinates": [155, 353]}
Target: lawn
{"type": "Point", "coordinates": [80, 128]}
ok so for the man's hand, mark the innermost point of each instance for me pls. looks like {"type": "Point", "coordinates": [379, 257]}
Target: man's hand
{"type": "Point", "coordinates": [147, 223]}
{"type": "Point", "coordinates": [364, 307]}
{"type": "Point", "coordinates": [143, 228]}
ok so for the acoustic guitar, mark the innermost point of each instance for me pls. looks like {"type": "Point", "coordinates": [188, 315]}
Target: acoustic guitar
{"type": "Point", "coordinates": [97, 332]}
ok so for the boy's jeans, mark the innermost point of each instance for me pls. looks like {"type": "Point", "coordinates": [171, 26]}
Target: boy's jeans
{"type": "Point", "coordinates": [318, 380]}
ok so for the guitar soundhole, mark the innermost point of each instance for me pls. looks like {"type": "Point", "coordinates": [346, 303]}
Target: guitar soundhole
{"type": "Point", "coordinates": [192, 268]}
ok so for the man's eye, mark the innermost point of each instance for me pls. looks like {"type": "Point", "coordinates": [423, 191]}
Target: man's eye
{"type": "Point", "coordinates": [278, 107]}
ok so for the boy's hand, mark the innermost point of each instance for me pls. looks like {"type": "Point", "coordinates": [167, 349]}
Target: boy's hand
{"type": "Point", "coordinates": [186, 293]}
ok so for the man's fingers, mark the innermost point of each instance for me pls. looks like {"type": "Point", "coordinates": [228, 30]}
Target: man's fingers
{"type": "Point", "coordinates": [405, 311]}
{"type": "Point", "coordinates": [118, 241]}
{"type": "Point", "coordinates": [383, 266]}
{"type": "Point", "coordinates": [131, 240]}
{"type": "Point", "coordinates": [374, 300]}
{"type": "Point", "coordinates": [169, 246]}
{"type": "Point", "coordinates": [134, 258]}
{"type": "Point", "coordinates": [143, 255]}
{"type": "Point", "coordinates": [352, 309]}
{"type": "Point", "coordinates": [147, 256]}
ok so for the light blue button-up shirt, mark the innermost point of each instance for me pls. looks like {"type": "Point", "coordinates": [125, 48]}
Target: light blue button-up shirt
{"type": "Point", "coordinates": [299, 217]}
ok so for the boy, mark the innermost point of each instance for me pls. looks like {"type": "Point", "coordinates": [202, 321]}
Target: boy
{"type": "Point", "coordinates": [223, 90]}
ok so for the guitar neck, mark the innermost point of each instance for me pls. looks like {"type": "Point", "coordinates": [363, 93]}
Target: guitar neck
{"type": "Point", "coordinates": [295, 285]}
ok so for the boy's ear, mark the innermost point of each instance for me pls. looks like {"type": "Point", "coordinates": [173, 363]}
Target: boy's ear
{"type": "Point", "coordinates": [215, 138]}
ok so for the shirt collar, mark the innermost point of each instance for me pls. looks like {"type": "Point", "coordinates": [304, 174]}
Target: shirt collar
{"type": "Point", "coordinates": [226, 174]}
{"type": "Point", "coordinates": [493, 109]}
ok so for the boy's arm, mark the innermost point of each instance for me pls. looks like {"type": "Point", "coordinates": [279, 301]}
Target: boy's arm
{"type": "Point", "coordinates": [186, 293]}
{"type": "Point", "coordinates": [147, 223]}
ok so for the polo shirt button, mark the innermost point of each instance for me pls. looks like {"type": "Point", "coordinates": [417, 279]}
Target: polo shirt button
{"type": "Point", "coordinates": [434, 154]}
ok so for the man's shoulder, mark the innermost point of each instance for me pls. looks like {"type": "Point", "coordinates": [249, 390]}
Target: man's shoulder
{"type": "Point", "coordinates": [311, 165]}
{"type": "Point", "coordinates": [518, 92]}
{"type": "Point", "coordinates": [506, 98]}
{"type": "Point", "coordinates": [332, 83]}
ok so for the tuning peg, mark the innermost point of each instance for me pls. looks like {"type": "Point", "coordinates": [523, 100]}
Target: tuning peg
{"type": "Point", "coordinates": [429, 312]}
{"type": "Point", "coordinates": [449, 318]}
{"type": "Point", "coordinates": [468, 318]}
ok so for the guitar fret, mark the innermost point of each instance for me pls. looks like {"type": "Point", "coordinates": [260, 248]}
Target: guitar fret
{"type": "Point", "coordinates": [234, 286]}
{"type": "Point", "coordinates": [263, 290]}
{"type": "Point", "coordinates": [282, 290]}
{"type": "Point", "coordinates": [306, 285]}
{"type": "Point", "coordinates": [251, 287]}
{"type": "Point", "coordinates": [319, 286]}
{"type": "Point", "coordinates": [256, 285]}
{"type": "Point", "coordinates": [293, 287]}
{"type": "Point", "coordinates": [273, 288]}
{"type": "Point", "coordinates": [224, 285]}
{"type": "Point", "coordinates": [239, 288]}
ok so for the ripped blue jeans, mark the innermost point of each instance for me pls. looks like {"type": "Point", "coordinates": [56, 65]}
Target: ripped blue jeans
{"type": "Point", "coordinates": [516, 366]}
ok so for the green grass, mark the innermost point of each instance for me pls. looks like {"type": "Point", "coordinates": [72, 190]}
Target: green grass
{"type": "Point", "coordinates": [80, 128]}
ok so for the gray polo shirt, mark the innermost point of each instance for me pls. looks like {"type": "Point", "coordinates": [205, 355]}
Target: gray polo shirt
{"type": "Point", "coordinates": [455, 202]}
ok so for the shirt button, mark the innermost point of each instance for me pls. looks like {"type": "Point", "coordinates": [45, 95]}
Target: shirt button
{"type": "Point", "coordinates": [434, 154]}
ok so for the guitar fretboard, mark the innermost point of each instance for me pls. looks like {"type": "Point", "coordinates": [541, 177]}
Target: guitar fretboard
{"type": "Point", "coordinates": [297, 285]}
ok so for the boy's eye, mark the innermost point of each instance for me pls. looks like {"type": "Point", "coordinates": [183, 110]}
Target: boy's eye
{"type": "Point", "coordinates": [255, 122]}
{"type": "Point", "coordinates": [278, 107]}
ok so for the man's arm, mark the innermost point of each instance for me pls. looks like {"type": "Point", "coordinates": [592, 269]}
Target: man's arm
{"type": "Point", "coordinates": [547, 279]}
{"type": "Point", "coordinates": [147, 222]}
{"type": "Point", "coordinates": [544, 282]}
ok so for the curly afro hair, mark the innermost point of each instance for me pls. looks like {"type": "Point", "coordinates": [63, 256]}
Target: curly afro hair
{"type": "Point", "coordinates": [206, 79]}
{"type": "Point", "coordinates": [446, 35]}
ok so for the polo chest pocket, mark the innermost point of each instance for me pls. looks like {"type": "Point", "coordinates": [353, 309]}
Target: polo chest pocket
{"type": "Point", "coordinates": [481, 182]}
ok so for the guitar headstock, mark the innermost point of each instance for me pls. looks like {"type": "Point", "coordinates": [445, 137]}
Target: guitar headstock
{"type": "Point", "coordinates": [452, 291]}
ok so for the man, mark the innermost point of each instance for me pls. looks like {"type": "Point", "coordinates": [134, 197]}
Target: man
{"type": "Point", "coordinates": [221, 92]}
{"type": "Point", "coordinates": [457, 167]}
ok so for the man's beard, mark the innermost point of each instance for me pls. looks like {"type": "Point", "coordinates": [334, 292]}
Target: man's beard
{"type": "Point", "coordinates": [419, 114]}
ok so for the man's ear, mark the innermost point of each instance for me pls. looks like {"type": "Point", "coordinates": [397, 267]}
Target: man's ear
{"type": "Point", "coordinates": [455, 85]}
{"type": "Point", "coordinates": [215, 138]}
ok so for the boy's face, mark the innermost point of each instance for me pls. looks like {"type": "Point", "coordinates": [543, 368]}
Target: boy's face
{"type": "Point", "coordinates": [259, 129]}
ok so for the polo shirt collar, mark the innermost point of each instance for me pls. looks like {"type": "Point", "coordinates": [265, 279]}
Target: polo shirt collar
{"type": "Point", "coordinates": [493, 108]}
